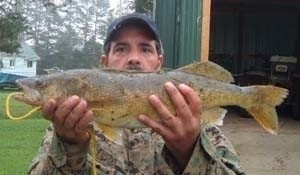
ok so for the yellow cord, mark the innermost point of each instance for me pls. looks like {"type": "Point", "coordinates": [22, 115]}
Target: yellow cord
{"type": "Point", "coordinates": [8, 109]}
{"type": "Point", "coordinates": [93, 151]}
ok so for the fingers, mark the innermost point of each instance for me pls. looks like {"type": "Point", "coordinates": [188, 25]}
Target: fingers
{"type": "Point", "coordinates": [175, 95]}
{"type": "Point", "coordinates": [178, 100]}
{"type": "Point", "coordinates": [48, 109]}
{"type": "Point", "coordinates": [64, 109]}
{"type": "Point", "coordinates": [76, 113]}
{"type": "Point", "coordinates": [154, 125]}
{"type": "Point", "coordinates": [84, 122]}
{"type": "Point", "coordinates": [187, 105]}
{"type": "Point", "coordinates": [166, 116]}
{"type": "Point", "coordinates": [168, 120]}
{"type": "Point", "coordinates": [70, 118]}
{"type": "Point", "coordinates": [180, 131]}
{"type": "Point", "coordinates": [191, 98]}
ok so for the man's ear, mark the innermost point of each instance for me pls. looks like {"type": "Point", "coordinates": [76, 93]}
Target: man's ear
{"type": "Point", "coordinates": [104, 61]}
{"type": "Point", "coordinates": [161, 61]}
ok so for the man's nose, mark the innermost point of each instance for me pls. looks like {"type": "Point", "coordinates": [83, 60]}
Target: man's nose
{"type": "Point", "coordinates": [134, 59]}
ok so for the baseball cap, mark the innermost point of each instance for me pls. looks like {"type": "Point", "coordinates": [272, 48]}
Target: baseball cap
{"type": "Point", "coordinates": [133, 18]}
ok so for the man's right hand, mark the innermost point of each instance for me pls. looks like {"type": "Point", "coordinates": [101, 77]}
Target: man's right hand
{"type": "Point", "coordinates": [70, 119]}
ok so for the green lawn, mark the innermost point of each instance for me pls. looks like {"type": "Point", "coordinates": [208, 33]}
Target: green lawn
{"type": "Point", "coordinates": [19, 139]}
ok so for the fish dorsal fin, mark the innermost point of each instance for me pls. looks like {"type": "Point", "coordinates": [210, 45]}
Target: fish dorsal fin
{"type": "Point", "coordinates": [113, 134]}
{"type": "Point", "coordinates": [214, 116]}
{"type": "Point", "coordinates": [208, 69]}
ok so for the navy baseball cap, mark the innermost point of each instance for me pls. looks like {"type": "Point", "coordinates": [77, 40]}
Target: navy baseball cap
{"type": "Point", "coordinates": [133, 18]}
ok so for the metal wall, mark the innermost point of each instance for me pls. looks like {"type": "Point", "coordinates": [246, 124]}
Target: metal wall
{"type": "Point", "coordinates": [270, 34]}
{"type": "Point", "coordinates": [224, 38]}
{"type": "Point", "coordinates": [259, 34]}
{"type": "Point", "coordinates": [179, 22]}
{"type": "Point", "coordinates": [262, 34]}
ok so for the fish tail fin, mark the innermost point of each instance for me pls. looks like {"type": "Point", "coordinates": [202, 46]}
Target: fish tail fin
{"type": "Point", "coordinates": [263, 109]}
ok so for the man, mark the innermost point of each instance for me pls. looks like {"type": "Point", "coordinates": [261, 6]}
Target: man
{"type": "Point", "coordinates": [180, 144]}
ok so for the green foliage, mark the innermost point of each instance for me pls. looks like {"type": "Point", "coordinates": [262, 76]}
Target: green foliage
{"type": "Point", "coordinates": [65, 36]}
{"type": "Point", "coordinates": [144, 6]}
{"type": "Point", "coordinates": [11, 25]}
{"type": "Point", "coordinates": [89, 56]}
{"type": "Point", "coordinates": [69, 56]}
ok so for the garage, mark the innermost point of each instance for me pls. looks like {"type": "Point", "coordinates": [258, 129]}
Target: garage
{"type": "Point", "coordinates": [259, 42]}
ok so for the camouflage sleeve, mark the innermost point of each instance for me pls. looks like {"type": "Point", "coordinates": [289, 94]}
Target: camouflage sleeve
{"type": "Point", "coordinates": [196, 165]}
{"type": "Point", "coordinates": [222, 157]}
{"type": "Point", "coordinates": [213, 154]}
{"type": "Point", "coordinates": [56, 157]}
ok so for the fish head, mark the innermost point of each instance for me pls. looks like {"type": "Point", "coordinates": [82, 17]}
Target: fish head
{"type": "Point", "coordinates": [37, 90]}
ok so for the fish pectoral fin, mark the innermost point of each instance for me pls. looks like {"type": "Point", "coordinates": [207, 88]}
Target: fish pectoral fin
{"type": "Point", "coordinates": [112, 133]}
{"type": "Point", "coordinates": [208, 69]}
{"type": "Point", "coordinates": [214, 116]}
{"type": "Point", "coordinates": [81, 84]}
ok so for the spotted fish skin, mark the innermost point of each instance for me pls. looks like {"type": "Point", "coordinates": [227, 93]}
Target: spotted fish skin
{"type": "Point", "coordinates": [117, 98]}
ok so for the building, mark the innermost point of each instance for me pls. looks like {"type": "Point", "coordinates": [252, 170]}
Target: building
{"type": "Point", "coordinates": [23, 63]}
{"type": "Point", "coordinates": [243, 36]}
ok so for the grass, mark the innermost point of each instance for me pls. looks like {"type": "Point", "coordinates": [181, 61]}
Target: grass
{"type": "Point", "coordinates": [19, 139]}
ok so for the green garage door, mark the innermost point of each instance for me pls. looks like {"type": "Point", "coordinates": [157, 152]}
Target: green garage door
{"type": "Point", "coordinates": [179, 22]}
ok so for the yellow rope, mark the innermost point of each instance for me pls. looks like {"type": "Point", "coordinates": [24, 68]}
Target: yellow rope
{"type": "Point", "coordinates": [93, 149]}
{"type": "Point", "coordinates": [8, 109]}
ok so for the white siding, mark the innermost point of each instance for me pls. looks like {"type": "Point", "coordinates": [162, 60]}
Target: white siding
{"type": "Point", "coordinates": [20, 67]}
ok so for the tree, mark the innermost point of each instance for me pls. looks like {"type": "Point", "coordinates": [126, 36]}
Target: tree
{"type": "Point", "coordinates": [68, 33]}
{"type": "Point", "coordinates": [124, 7]}
{"type": "Point", "coordinates": [12, 23]}
{"type": "Point", "coordinates": [144, 6]}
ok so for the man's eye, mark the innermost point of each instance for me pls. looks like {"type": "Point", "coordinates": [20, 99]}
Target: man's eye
{"type": "Point", "coordinates": [146, 50]}
{"type": "Point", "coordinates": [120, 49]}
{"type": "Point", "coordinates": [39, 82]}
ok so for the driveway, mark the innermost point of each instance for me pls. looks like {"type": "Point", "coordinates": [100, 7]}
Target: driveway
{"type": "Point", "coordinates": [262, 153]}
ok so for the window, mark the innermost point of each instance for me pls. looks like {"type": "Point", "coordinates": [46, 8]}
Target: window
{"type": "Point", "coordinates": [29, 64]}
{"type": "Point", "coordinates": [11, 63]}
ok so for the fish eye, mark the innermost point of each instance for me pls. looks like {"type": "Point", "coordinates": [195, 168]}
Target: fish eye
{"type": "Point", "coordinates": [39, 82]}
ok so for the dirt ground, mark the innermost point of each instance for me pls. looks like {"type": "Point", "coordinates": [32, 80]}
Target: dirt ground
{"type": "Point", "coordinates": [262, 153]}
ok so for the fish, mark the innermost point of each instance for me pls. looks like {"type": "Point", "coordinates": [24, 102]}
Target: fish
{"type": "Point", "coordinates": [118, 97]}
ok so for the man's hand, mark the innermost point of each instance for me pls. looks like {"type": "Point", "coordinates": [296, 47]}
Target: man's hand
{"type": "Point", "coordinates": [70, 119]}
{"type": "Point", "coordinates": [181, 131]}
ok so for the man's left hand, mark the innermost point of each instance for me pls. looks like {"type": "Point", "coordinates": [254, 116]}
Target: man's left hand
{"type": "Point", "coordinates": [181, 130]}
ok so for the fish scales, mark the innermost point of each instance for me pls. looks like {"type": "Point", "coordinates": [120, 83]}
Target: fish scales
{"type": "Point", "coordinates": [132, 90]}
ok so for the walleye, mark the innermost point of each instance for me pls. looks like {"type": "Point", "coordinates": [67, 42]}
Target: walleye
{"type": "Point", "coordinates": [118, 97]}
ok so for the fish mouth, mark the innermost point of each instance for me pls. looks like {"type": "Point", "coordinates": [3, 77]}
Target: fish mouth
{"type": "Point", "coordinates": [28, 95]}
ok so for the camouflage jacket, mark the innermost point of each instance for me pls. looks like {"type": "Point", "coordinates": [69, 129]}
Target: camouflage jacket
{"type": "Point", "coordinates": [143, 152]}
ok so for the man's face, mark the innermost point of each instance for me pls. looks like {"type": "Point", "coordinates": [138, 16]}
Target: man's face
{"type": "Point", "coordinates": [134, 49]}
